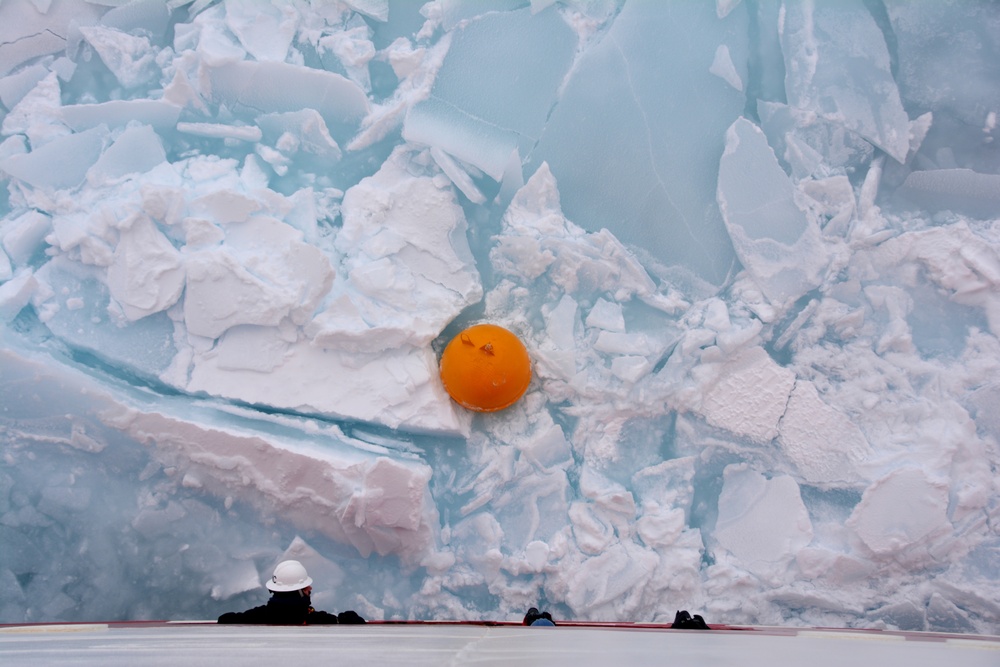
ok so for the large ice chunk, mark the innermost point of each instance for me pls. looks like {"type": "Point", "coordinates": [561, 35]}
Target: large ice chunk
{"type": "Point", "coordinates": [827, 448]}
{"type": "Point", "coordinates": [136, 150]}
{"type": "Point", "coordinates": [263, 273]}
{"type": "Point", "coordinates": [837, 66]}
{"type": "Point", "coordinates": [131, 58]}
{"type": "Point", "coordinates": [31, 29]}
{"type": "Point", "coordinates": [22, 237]}
{"type": "Point", "coordinates": [762, 522]}
{"type": "Point", "coordinates": [605, 585]}
{"type": "Point", "coordinates": [810, 145]}
{"type": "Point", "coordinates": [306, 128]}
{"type": "Point", "coordinates": [665, 492]}
{"type": "Point", "coordinates": [264, 30]}
{"type": "Point", "coordinates": [483, 119]}
{"type": "Point", "coordinates": [15, 86]}
{"type": "Point", "coordinates": [765, 50]}
{"type": "Point", "coordinates": [149, 17]}
{"type": "Point", "coordinates": [323, 482]}
{"type": "Point", "coordinates": [376, 9]}
{"type": "Point", "coordinates": [408, 270]}
{"type": "Point", "coordinates": [15, 294]}
{"type": "Point", "coordinates": [453, 12]}
{"type": "Point", "coordinates": [399, 388]}
{"type": "Point", "coordinates": [955, 259]}
{"type": "Point", "coordinates": [901, 512]}
{"type": "Point", "coordinates": [940, 49]}
{"type": "Point", "coordinates": [538, 240]}
{"type": "Point", "coordinates": [753, 192]}
{"type": "Point", "coordinates": [60, 164]}
{"type": "Point", "coordinates": [778, 244]}
{"type": "Point", "coordinates": [115, 113]}
{"type": "Point", "coordinates": [74, 305]}
{"type": "Point", "coordinates": [960, 190]}
{"type": "Point", "coordinates": [631, 152]}
{"type": "Point", "coordinates": [267, 87]}
{"type": "Point", "coordinates": [36, 114]}
{"type": "Point", "coordinates": [748, 395]}
{"type": "Point", "coordinates": [146, 275]}
{"type": "Point", "coordinates": [249, 133]}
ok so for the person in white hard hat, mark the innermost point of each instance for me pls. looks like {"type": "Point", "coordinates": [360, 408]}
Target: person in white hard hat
{"type": "Point", "coordinates": [290, 586]}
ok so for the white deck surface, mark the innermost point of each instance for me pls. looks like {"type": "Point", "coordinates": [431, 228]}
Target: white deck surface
{"type": "Point", "coordinates": [483, 646]}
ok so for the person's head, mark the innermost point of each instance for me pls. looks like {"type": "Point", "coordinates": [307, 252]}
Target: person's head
{"type": "Point", "coordinates": [290, 576]}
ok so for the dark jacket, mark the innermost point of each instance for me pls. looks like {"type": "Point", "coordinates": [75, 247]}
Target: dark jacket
{"type": "Point", "coordinates": [288, 609]}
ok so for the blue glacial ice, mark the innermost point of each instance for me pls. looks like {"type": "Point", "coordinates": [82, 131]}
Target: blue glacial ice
{"type": "Point", "coordinates": [635, 145]}
{"type": "Point", "coordinates": [753, 249]}
{"type": "Point", "coordinates": [837, 66]}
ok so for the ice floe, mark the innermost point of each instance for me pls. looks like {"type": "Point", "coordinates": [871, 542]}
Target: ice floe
{"type": "Point", "coordinates": [753, 250]}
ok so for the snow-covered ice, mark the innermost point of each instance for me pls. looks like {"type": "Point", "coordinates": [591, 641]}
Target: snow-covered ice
{"type": "Point", "coordinates": [753, 249]}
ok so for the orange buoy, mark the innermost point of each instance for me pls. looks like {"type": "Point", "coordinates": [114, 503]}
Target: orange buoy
{"type": "Point", "coordinates": [485, 368]}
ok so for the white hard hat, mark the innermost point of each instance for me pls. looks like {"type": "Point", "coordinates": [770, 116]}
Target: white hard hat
{"type": "Point", "coordinates": [289, 575]}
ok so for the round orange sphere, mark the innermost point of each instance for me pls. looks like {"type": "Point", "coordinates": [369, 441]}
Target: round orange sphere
{"type": "Point", "coordinates": [485, 368]}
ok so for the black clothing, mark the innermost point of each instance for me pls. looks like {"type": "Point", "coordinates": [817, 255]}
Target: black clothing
{"type": "Point", "coordinates": [349, 618]}
{"type": "Point", "coordinates": [533, 616]}
{"type": "Point", "coordinates": [291, 608]}
{"type": "Point", "coordinates": [685, 621]}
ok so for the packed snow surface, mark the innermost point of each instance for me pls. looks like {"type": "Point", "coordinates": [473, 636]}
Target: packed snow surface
{"type": "Point", "coordinates": [753, 249]}
{"type": "Point", "coordinates": [430, 644]}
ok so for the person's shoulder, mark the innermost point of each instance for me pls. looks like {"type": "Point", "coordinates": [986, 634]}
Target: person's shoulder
{"type": "Point", "coordinates": [350, 617]}
{"type": "Point", "coordinates": [326, 618]}
{"type": "Point", "coordinates": [321, 618]}
{"type": "Point", "coordinates": [255, 615]}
